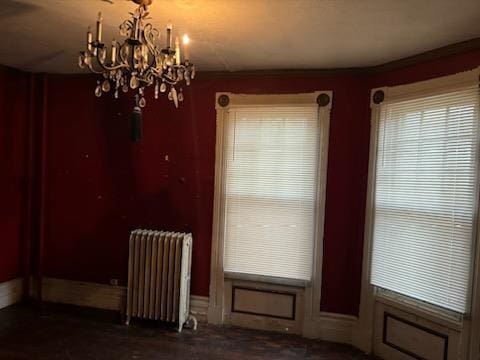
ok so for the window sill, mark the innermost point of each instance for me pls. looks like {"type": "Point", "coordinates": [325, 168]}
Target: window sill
{"type": "Point", "coordinates": [267, 279]}
{"type": "Point", "coordinates": [432, 313]}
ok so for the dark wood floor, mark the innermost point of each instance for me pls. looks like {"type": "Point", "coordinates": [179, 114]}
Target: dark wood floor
{"type": "Point", "coordinates": [64, 332]}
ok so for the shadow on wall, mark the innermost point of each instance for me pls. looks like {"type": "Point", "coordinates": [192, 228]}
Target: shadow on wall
{"type": "Point", "coordinates": [101, 186]}
{"type": "Point", "coordinates": [107, 240]}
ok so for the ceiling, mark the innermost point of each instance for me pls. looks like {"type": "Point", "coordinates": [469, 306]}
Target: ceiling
{"type": "Point", "coordinates": [233, 35]}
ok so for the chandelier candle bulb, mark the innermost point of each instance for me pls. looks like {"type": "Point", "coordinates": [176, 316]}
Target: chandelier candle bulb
{"type": "Point", "coordinates": [177, 51]}
{"type": "Point", "coordinates": [145, 53]}
{"type": "Point", "coordinates": [136, 28]}
{"type": "Point", "coordinates": [99, 27]}
{"type": "Point", "coordinates": [89, 39]}
{"type": "Point", "coordinates": [114, 52]}
{"type": "Point", "coordinates": [186, 53]}
{"type": "Point", "coordinates": [169, 36]}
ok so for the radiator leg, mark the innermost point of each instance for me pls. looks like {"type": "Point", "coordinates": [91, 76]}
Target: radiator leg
{"type": "Point", "coordinates": [127, 320]}
{"type": "Point", "coordinates": [192, 322]}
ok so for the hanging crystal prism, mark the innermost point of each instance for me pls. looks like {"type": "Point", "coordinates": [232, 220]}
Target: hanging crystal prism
{"type": "Point", "coordinates": [134, 82]}
{"type": "Point", "coordinates": [106, 86]}
{"type": "Point", "coordinates": [98, 91]}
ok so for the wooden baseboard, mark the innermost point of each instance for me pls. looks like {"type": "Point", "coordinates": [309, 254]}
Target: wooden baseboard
{"type": "Point", "coordinates": [102, 296]}
{"type": "Point", "coordinates": [10, 292]}
{"type": "Point", "coordinates": [331, 327]}
{"type": "Point", "coordinates": [328, 326]}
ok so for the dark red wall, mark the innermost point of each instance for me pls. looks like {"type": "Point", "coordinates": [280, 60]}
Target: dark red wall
{"type": "Point", "coordinates": [100, 185]}
{"type": "Point", "coordinates": [13, 147]}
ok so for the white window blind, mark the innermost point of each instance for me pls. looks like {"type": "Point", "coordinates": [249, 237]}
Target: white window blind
{"type": "Point", "coordinates": [426, 197]}
{"type": "Point", "coordinates": [271, 171]}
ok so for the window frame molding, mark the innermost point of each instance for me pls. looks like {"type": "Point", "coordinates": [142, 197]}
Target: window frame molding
{"type": "Point", "coordinates": [363, 333]}
{"type": "Point", "coordinates": [223, 102]}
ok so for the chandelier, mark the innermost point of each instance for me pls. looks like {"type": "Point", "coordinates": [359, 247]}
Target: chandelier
{"type": "Point", "coordinates": [139, 61]}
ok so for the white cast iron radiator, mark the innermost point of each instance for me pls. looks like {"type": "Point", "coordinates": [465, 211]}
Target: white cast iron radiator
{"type": "Point", "coordinates": [159, 267]}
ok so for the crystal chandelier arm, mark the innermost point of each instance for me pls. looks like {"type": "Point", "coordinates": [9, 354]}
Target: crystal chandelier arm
{"type": "Point", "coordinates": [90, 64]}
{"type": "Point", "coordinates": [112, 68]}
{"type": "Point", "coordinates": [123, 58]}
{"type": "Point", "coordinates": [91, 68]}
{"type": "Point", "coordinates": [150, 34]}
{"type": "Point", "coordinates": [126, 28]}
{"type": "Point", "coordinates": [169, 80]}
{"type": "Point", "coordinates": [109, 68]}
{"type": "Point", "coordinates": [147, 80]}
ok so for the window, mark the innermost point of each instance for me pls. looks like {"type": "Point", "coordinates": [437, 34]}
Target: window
{"type": "Point", "coordinates": [426, 195]}
{"type": "Point", "coordinates": [271, 165]}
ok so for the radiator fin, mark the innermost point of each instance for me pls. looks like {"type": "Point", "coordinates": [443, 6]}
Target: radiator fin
{"type": "Point", "coordinates": [176, 279]}
{"type": "Point", "coordinates": [153, 278]}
